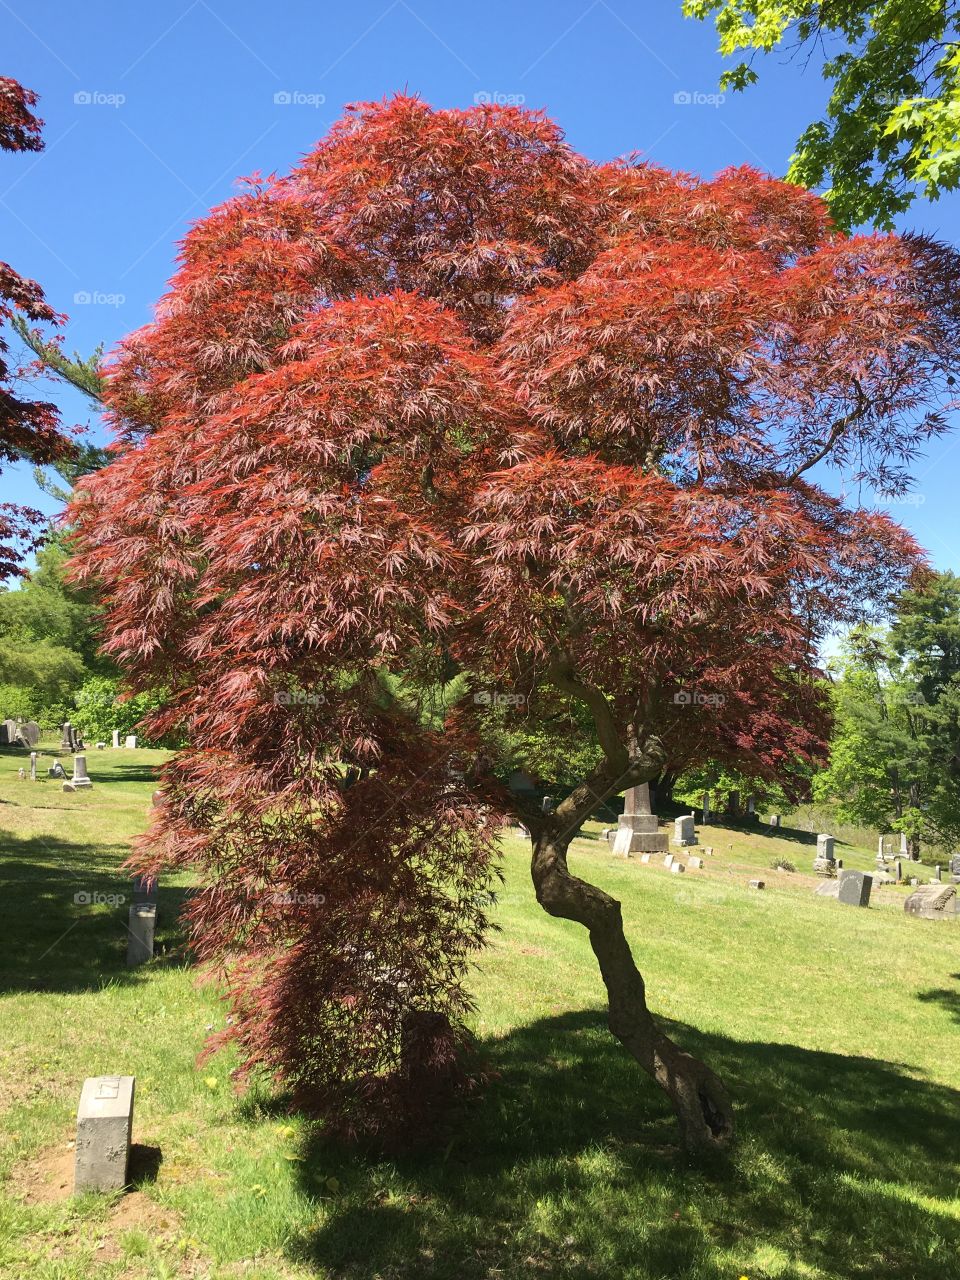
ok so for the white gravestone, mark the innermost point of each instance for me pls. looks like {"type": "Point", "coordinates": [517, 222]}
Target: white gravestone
{"type": "Point", "coordinates": [130, 741]}
{"type": "Point", "coordinates": [116, 738]}
{"type": "Point", "coordinates": [684, 832]}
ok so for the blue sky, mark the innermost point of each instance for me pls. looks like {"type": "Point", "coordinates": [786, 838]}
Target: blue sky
{"type": "Point", "coordinates": [153, 111]}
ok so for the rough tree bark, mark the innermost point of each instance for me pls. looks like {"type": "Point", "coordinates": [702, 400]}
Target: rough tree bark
{"type": "Point", "coordinates": [701, 1102]}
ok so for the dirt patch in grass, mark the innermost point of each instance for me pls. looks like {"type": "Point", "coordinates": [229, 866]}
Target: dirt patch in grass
{"type": "Point", "coordinates": [46, 1178]}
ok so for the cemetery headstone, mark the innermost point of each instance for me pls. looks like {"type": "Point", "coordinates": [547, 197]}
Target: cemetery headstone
{"type": "Point", "coordinates": [80, 777]}
{"type": "Point", "coordinates": [33, 766]}
{"type": "Point", "coordinates": [141, 928]}
{"type": "Point", "coordinates": [130, 741]}
{"type": "Point", "coordinates": [101, 746]}
{"type": "Point", "coordinates": [937, 873]}
{"type": "Point", "coordinates": [825, 864]}
{"type": "Point", "coordinates": [684, 830]}
{"type": "Point", "coordinates": [56, 770]}
{"type": "Point", "coordinates": [677, 867]}
{"type": "Point", "coordinates": [645, 857]}
{"type": "Point", "coordinates": [706, 807]}
{"type": "Point", "coordinates": [696, 863]}
{"type": "Point", "coordinates": [751, 807]}
{"type": "Point", "coordinates": [30, 734]}
{"type": "Point", "coordinates": [829, 889]}
{"type": "Point", "coordinates": [758, 884]}
{"type": "Point", "coordinates": [66, 736]}
{"type": "Point", "coordinates": [668, 860]}
{"type": "Point", "coordinates": [116, 738]}
{"type": "Point", "coordinates": [903, 844]}
{"type": "Point", "coordinates": [638, 829]}
{"type": "Point", "coordinates": [933, 902]}
{"type": "Point", "coordinates": [774, 821]}
{"type": "Point", "coordinates": [104, 1130]}
{"type": "Point", "coordinates": [21, 774]}
{"type": "Point", "coordinates": [899, 866]}
{"type": "Point", "coordinates": [854, 888]}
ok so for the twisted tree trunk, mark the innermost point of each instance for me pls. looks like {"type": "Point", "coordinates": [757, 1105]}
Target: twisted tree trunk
{"type": "Point", "coordinates": [701, 1102]}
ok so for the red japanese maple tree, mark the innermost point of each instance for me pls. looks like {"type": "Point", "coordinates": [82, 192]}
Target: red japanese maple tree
{"type": "Point", "coordinates": [451, 408]}
{"type": "Point", "coordinates": [28, 428]}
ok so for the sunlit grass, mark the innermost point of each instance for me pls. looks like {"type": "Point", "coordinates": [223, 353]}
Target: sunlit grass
{"type": "Point", "coordinates": [836, 1029]}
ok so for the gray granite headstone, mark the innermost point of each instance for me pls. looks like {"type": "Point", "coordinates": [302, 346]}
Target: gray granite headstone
{"type": "Point", "coordinates": [141, 928]}
{"type": "Point", "coordinates": [854, 888]}
{"type": "Point", "coordinates": [30, 733]}
{"type": "Point", "coordinates": [116, 738]}
{"type": "Point", "coordinates": [933, 902]}
{"type": "Point", "coordinates": [33, 766]}
{"type": "Point", "coordinates": [638, 828]}
{"type": "Point", "coordinates": [104, 1130]}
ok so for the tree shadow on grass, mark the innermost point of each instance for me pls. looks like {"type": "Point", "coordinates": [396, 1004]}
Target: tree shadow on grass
{"type": "Point", "coordinates": [947, 997]}
{"type": "Point", "coordinates": [568, 1166]}
{"type": "Point", "coordinates": [63, 916]}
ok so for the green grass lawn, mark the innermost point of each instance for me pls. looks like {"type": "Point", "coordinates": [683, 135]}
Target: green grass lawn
{"type": "Point", "coordinates": [836, 1029]}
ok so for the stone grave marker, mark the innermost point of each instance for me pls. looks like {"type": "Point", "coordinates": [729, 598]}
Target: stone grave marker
{"type": "Point", "coordinates": [33, 766]}
{"type": "Point", "coordinates": [854, 888]}
{"type": "Point", "coordinates": [668, 860]}
{"type": "Point", "coordinates": [116, 738]}
{"type": "Point", "coordinates": [676, 868]}
{"type": "Point", "coordinates": [141, 928]}
{"type": "Point", "coordinates": [829, 889]}
{"type": "Point", "coordinates": [684, 830]}
{"type": "Point", "coordinates": [80, 776]}
{"type": "Point", "coordinates": [933, 902]}
{"type": "Point", "coordinates": [30, 734]}
{"type": "Point", "coordinates": [638, 829]}
{"type": "Point", "coordinates": [696, 863]}
{"type": "Point", "coordinates": [130, 741]}
{"type": "Point", "coordinates": [56, 770]}
{"type": "Point", "coordinates": [104, 1130]}
{"type": "Point", "coordinates": [774, 821]}
{"type": "Point", "coordinates": [758, 884]}
{"type": "Point", "coordinates": [825, 864]}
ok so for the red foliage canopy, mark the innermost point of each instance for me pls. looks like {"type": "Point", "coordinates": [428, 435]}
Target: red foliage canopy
{"type": "Point", "coordinates": [451, 399]}
{"type": "Point", "coordinates": [28, 428]}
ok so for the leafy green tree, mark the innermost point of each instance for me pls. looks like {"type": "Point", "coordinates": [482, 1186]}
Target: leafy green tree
{"type": "Point", "coordinates": [103, 705]}
{"type": "Point", "coordinates": [891, 123]}
{"type": "Point", "coordinates": [895, 755]}
{"type": "Point", "coordinates": [45, 608]}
